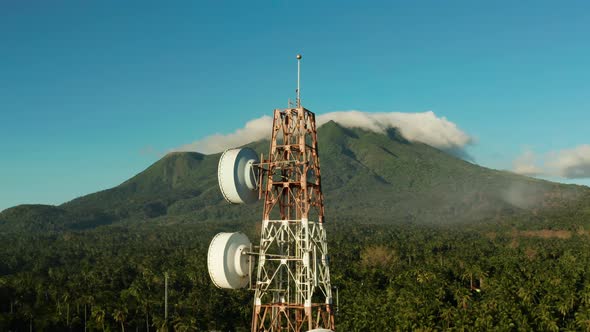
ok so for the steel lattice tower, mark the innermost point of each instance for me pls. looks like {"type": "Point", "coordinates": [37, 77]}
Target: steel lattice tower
{"type": "Point", "coordinates": [292, 289]}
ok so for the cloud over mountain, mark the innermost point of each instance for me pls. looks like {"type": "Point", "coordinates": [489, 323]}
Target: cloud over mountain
{"type": "Point", "coordinates": [571, 163]}
{"type": "Point", "coordinates": [423, 127]}
{"type": "Point", "coordinates": [253, 130]}
{"type": "Point", "coordinates": [525, 164]}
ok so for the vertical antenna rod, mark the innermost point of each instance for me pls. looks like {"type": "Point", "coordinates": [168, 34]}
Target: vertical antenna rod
{"type": "Point", "coordinates": [298, 80]}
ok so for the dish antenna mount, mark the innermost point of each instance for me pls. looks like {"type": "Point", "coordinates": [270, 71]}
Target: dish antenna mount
{"type": "Point", "coordinates": [292, 285]}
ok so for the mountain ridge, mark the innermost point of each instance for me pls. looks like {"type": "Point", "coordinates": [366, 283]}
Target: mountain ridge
{"type": "Point", "coordinates": [366, 177]}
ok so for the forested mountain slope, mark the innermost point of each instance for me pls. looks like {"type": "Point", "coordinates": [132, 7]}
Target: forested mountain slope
{"type": "Point", "coordinates": [366, 177]}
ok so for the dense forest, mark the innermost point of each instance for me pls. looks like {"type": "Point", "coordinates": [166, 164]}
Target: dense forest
{"type": "Point", "coordinates": [517, 274]}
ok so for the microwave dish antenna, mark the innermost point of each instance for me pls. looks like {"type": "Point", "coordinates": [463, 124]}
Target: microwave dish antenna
{"type": "Point", "coordinates": [238, 176]}
{"type": "Point", "coordinates": [227, 260]}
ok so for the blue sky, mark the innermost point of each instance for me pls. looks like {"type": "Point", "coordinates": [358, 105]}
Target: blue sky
{"type": "Point", "coordinates": [92, 91]}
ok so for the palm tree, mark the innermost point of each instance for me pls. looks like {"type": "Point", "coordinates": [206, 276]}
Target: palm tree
{"type": "Point", "coordinates": [566, 303]}
{"type": "Point", "coordinates": [120, 315]}
{"type": "Point", "coordinates": [583, 319]}
{"type": "Point", "coordinates": [98, 314]}
{"type": "Point", "coordinates": [447, 314]}
{"type": "Point", "coordinates": [462, 296]}
{"type": "Point", "coordinates": [65, 298]}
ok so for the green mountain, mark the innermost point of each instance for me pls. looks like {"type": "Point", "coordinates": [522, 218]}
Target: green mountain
{"type": "Point", "coordinates": [367, 177]}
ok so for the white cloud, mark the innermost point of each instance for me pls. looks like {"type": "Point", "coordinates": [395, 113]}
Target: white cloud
{"type": "Point", "coordinates": [569, 163]}
{"type": "Point", "coordinates": [526, 164]}
{"type": "Point", "coordinates": [423, 127]}
{"type": "Point", "coordinates": [254, 130]}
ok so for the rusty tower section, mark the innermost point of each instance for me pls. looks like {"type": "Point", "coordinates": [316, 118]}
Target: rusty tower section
{"type": "Point", "coordinates": [292, 289]}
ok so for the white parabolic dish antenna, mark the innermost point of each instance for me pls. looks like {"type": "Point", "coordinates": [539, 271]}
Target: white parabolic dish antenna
{"type": "Point", "coordinates": [227, 262]}
{"type": "Point", "coordinates": [238, 176]}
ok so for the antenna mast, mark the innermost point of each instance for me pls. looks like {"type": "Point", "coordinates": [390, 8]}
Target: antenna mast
{"type": "Point", "coordinates": [298, 80]}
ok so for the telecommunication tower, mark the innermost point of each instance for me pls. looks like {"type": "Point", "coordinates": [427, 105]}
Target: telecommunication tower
{"type": "Point", "coordinates": [292, 275]}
